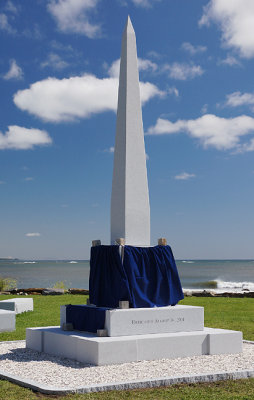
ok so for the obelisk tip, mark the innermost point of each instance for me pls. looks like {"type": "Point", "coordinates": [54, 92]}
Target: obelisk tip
{"type": "Point", "coordinates": [129, 26]}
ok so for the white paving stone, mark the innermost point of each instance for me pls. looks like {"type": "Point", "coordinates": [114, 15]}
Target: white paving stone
{"type": "Point", "coordinates": [19, 305]}
{"type": "Point", "coordinates": [7, 321]}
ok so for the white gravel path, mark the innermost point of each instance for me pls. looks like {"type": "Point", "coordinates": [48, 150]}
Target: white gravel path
{"type": "Point", "coordinates": [16, 360]}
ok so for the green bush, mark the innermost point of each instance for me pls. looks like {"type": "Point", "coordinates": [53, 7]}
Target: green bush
{"type": "Point", "coordinates": [60, 285]}
{"type": "Point", "coordinates": [7, 284]}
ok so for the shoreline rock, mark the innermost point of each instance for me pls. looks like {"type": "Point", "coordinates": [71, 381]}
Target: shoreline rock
{"type": "Point", "coordinates": [214, 293]}
{"type": "Point", "coordinates": [45, 291]}
{"type": "Point", "coordinates": [187, 292]}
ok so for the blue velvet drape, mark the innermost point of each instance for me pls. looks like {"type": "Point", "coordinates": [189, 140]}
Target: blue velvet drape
{"type": "Point", "coordinates": [147, 277]}
{"type": "Point", "coordinates": [86, 318]}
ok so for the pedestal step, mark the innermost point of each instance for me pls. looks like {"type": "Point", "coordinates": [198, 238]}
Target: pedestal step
{"type": "Point", "coordinates": [88, 348]}
{"type": "Point", "coordinates": [7, 321]}
{"type": "Point", "coordinates": [137, 321]}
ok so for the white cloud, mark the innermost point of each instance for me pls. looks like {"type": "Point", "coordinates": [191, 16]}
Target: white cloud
{"type": "Point", "coordinates": [76, 97]}
{"type": "Point", "coordinates": [204, 109]}
{"type": "Point", "coordinates": [114, 69]}
{"type": "Point", "coordinates": [20, 138]}
{"type": "Point", "coordinates": [144, 3]}
{"type": "Point", "coordinates": [190, 48]}
{"type": "Point", "coordinates": [211, 131]}
{"type": "Point", "coordinates": [54, 61]}
{"type": "Point", "coordinates": [15, 72]}
{"type": "Point", "coordinates": [184, 176]}
{"type": "Point", "coordinates": [33, 32]}
{"type": "Point", "coordinates": [154, 54]}
{"type": "Point", "coordinates": [143, 65]}
{"type": "Point", "coordinates": [4, 24]}
{"type": "Point", "coordinates": [237, 99]}
{"type": "Point", "coordinates": [183, 71]}
{"type": "Point", "coordinates": [173, 90]}
{"type": "Point", "coordinates": [109, 150]}
{"type": "Point", "coordinates": [72, 16]}
{"type": "Point", "coordinates": [33, 234]}
{"type": "Point", "coordinates": [62, 47]}
{"type": "Point", "coordinates": [230, 60]}
{"type": "Point", "coordinates": [11, 7]}
{"type": "Point", "coordinates": [236, 21]}
{"type": "Point", "coordinates": [29, 179]}
{"type": "Point", "coordinates": [247, 147]}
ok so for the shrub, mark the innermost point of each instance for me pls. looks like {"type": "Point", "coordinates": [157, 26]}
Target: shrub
{"type": "Point", "coordinates": [60, 285]}
{"type": "Point", "coordinates": [7, 284]}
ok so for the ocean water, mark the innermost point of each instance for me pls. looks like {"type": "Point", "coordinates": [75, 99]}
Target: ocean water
{"type": "Point", "coordinates": [194, 274]}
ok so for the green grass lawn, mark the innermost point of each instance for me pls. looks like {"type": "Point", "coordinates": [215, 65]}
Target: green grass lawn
{"type": "Point", "coordinates": [228, 313]}
{"type": "Point", "coordinates": [46, 313]}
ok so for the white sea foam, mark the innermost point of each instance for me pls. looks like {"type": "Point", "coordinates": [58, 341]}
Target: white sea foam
{"type": "Point", "coordinates": [29, 262]}
{"type": "Point", "coordinates": [235, 285]}
{"type": "Point", "coordinates": [188, 262]}
{"type": "Point", "coordinates": [73, 262]}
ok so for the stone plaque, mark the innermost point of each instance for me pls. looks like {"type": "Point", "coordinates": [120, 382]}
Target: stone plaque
{"type": "Point", "coordinates": [141, 321]}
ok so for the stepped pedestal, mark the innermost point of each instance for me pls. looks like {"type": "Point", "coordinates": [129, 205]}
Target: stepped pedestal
{"type": "Point", "coordinates": [136, 335]}
{"type": "Point", "coordinates": [91, 349]}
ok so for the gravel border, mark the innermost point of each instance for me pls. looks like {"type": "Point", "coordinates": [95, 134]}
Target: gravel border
{"type": "Point", "coordinates": [127, 385]}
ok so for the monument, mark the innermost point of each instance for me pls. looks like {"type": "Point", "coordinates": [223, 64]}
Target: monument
{"type": "Point", "coordinates": [134, 288]}
{"type": "Point", "coordinates": [130, 208]}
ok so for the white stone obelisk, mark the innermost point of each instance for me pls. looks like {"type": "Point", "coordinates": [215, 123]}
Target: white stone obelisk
{"type": "Point", "coordinates": [130, 208]}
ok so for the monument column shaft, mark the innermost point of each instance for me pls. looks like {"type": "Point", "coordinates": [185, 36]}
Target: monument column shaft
{"type": "Point", "coordinates": [130, 209]}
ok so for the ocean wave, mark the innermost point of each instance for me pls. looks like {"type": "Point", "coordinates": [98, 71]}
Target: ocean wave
{"type": "Point", "coordinates": [187, 262]}
{"type": "Point", "coordinates": [220, 284]}
{"type": "Point", "coordinates": [235, 285]}
{"type": "Point", "coordinates": [73, 262]}
{"type": "Point", "coordinates": [26, 262]}
{"type": "Point", "coordinates": [205, 285]}
{"type": "Point", "coordinates": [30, 262]}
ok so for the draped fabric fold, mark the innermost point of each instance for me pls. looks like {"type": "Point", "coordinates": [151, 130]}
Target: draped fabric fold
{"type": "Point", "coordinates": [86, 318]}
{"type": "Point", "coordinates": [147, 277]}
{"type": "Point", "coordinates": [108, 282]}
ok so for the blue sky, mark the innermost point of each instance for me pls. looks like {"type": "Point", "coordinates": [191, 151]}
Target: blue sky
{"type": "Point", "coordinates": [59, 78]}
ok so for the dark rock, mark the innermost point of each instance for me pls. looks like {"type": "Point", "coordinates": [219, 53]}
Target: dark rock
{"type": "Point", "coordinates": [52, 291]}
{"type": "Point", "coordinates": [213, 293]}
{"type": "Point", "coordinates": [204, 293]}
{"type": "Point", "coordinates": [28, 291]}
{"type": "Point", "coordinates": [78, 291]}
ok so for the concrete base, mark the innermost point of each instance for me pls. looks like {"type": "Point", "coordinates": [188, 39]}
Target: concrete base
{"type": "Point", "coordinates": [17, 305]}
{"type": "Point", "coordinates": [88, 348]}
{"type": "Point", "coordinates": [142, 321]}
{"type": "Point", "coordinates": [7, 321]}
